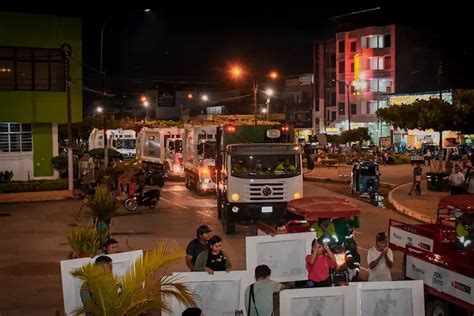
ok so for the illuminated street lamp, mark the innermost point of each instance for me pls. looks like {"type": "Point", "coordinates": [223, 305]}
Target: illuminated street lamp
{"type": "Point", "coordinates": [100, 110]}
{"type": "Point", "coordinates": [204, 98]}
{"type": "Point", "coordinates": [269, 92]}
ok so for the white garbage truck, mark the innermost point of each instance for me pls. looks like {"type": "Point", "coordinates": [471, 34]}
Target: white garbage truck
{"type": "Point", "coordinates": [122, 140]}
{"type": "Point", "coordinates": [199, 153]}
{"type": "Point", "coordinates": [162, 146]}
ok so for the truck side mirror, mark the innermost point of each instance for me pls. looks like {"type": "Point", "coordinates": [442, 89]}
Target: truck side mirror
{"type": "Point", "coordinates": [219, 162]}
{"type": "Point", "coordinates": [310, 162]}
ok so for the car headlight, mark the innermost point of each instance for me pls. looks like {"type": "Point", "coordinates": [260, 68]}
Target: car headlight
{"type": "Point", "coordinates": [235, 197]}
{"type": "Point", "coordinates": [296, 196]}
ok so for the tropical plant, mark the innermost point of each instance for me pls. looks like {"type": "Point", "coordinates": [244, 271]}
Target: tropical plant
{"type": "Point", "coordinates": [143, 288]}
{"type": "Point", "coordinates": [85, 241]}
{"type": "Point", "coordinates": [102, 204]}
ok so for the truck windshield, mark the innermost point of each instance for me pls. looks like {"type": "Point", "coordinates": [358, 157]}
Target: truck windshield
{"type": "Point", "coordinates": [126, 143]}
{"type": "Point", "coordinates": [207, 150]}
{"type": "Point", "coordinates": [265, 166]}
{"type": "Point", "coordinates": [176, 146]}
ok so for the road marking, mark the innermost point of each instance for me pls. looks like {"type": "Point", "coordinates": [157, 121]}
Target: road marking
{"type": "Point", "coordinates": [166, 200]}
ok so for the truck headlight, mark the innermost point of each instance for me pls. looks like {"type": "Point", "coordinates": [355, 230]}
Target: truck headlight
{"type": "Point", "coordinates": [296, 196]}
{"type": "Point", "coordinates": [235, 197]}
{"type": "Point", "coordinates": [235, 209]}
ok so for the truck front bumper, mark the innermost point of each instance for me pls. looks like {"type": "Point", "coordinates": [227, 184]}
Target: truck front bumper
{"type": "Point", "coordinates": [256, 211]}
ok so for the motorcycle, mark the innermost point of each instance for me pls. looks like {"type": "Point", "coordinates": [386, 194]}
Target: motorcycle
{"type": "Point", "coordinates": [143, 198]}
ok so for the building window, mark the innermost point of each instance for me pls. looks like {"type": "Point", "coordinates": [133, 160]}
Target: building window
{"type": "Point", "coordinates": [373, 106]}
{"type": "Point", "coordinates": [381, 85]}
{"type": "Point", "coordinates": [32, 69]}
{"type": "Point", "coordinates": [353, 46]}
{"type": "Point", "coordinates": [353, 109]}
{"type": "Point", "coordinates": [342, 65]}
{"type": "Point", "coordinates": [15, 137]}
{"type": "Point", "coordinates": [333, 99]}
{"type": "Point", "coordinates": [382, 104]}
{"type": "Point", "coordinates": [387, 62]}
{"type": "Point", "coordinates": [333, 116]}
{"type": "Point", "coordinates": [341, 47]}
{"type": "Point", "coordinates": [376, 63]}
{"type": "Point", "coordinates": [341, 108]}
{"type": "Point", "coordinates": [385, 85]}
{"type": "Point", "coordinates": [372, 41]}
{"type": "Point", "coordinates": [342, 87]}
{"type": "Point", "coordinates": [363, 107]}
{"type": "Point", "coordinates": [387, 40]}
{"type": "Point", "coordinates": [352, 68]}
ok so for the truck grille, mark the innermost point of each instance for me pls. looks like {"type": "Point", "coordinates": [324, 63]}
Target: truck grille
{"type": "Point", "coordinates": [267, 191]}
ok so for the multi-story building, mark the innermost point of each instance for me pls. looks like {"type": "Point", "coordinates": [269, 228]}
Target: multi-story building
{"type": "Point", "coordinates": [33, 90]}
{"type": "Point", "coordinates": [298, 96]}
{"type": "Point", "coordinates": [371, 63]}
{"type": "Point", "coordinates": [365, 66]}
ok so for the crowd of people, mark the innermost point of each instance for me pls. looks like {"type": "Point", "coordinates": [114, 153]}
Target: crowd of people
{"type": "Point", "coordinates": [205, 253]}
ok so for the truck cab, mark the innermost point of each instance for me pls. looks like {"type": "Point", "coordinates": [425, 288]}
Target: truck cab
{"type": "Point", "coordinates": [255, 180]}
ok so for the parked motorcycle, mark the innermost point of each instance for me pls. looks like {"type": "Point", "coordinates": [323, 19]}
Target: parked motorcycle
{"type": "Point", "coordinates": [142, 198]}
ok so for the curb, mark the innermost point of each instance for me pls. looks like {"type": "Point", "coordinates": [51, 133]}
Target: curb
{"type": "Point", "coordinates": [408, 211]}
{"type": "Point", "coordinates": [41, 196]}
{"type": "Point", "coordinates": [346, 181]}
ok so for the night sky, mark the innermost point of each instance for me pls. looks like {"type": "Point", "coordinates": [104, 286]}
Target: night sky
{"type": "Point", "coordinates": [198, 43]}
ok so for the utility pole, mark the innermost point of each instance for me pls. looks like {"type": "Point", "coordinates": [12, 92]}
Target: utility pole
{"type": "Point", "coordinates": [66, 47]}
{"type": "Point", "coordinates": [255, 99]}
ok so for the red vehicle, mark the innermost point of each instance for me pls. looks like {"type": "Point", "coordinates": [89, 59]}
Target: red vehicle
{"type": "Point", "coordinates": [302, 213]}
{"type": "Point", "coordinates": [431, 255]}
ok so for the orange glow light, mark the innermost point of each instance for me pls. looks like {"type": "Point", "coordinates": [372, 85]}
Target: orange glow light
{"type": "Point", "coordinates": [143, 98]}
{"type": "Point", "coordinates": [190, 96]}
{"type": "Point", "coordinates": [273, 75]}
{"type": "Point", "coordinates": [236, 72]}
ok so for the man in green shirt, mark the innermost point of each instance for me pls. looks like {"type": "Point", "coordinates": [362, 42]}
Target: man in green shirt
{"type": "Point", "coordinates": [259, 295]}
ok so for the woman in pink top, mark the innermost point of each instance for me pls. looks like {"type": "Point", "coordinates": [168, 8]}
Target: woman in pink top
{"type": "Point", "coordinates": [318, 264]}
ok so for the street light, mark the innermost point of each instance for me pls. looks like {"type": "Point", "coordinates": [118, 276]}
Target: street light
{"type": "Point", "coordinates": [146, 104]}
{"type": "Point", "coordinates": [236, 72]}
{"type": "Point", "coordinates": [100, 110]}
{"type": "Point", "coordinates": [348, 85]}
{"type": "Point", "coordinates": [269, 92]}
{"type": "Point", "coordinates": [204, 98]}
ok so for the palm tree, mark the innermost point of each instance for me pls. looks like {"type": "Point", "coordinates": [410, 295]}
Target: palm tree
{"type": "Point", "coordinates": [142, 288]}
{"type": "Point", "coordinates": [103, 206]}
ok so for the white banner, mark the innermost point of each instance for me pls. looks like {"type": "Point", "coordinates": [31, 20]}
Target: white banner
{"type": "Point", "coordinates": [402, 238]}
{"type": "Point", "coordinates": [441, 279]}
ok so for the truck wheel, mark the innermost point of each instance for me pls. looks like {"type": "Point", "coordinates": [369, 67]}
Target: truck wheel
{"type": "Point", "coordinates": [229, 228]}
{"type": "Point", "coordinates": [187, 182]}
{"type": "Point", "coordinates": [437, 308]}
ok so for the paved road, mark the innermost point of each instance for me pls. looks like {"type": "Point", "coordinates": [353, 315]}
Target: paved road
{"type": "Point", "coordinates": [33, 240]}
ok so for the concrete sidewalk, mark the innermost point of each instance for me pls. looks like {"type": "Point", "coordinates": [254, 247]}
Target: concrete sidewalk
{"type": "Point", "coordinates": [40, 196]}
{"type": "Point", "coordinates": [423, 208]}
{"type": "Point", "coordinates": [399, 178]}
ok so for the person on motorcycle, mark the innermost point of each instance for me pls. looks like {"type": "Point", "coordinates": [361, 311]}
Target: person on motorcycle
{"type": "Point", "coordinates": [353, 259]}
{"type": "Point", "coordinates": [324, 228]}
{"type": "Point", "coordinates": [464, 230]}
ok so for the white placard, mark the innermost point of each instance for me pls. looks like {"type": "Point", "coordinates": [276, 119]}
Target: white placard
{"type": "Point", "coordinates": [402, 238]}
{"type": "Point", "coordinates": [441, 279]}
{"type": "Point", "coordinates": [221, 293]}
{"type": "Point", "coordinates": [285, 255]}
{"type": "Point", "coordinates": [327, 301]}
{"type": "Point", "coordinates": [392, 298]}
{"type": "Point", "coordinates": [121, 262]}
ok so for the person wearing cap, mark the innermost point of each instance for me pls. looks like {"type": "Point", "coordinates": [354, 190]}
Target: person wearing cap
{"type": "Point", "coordinates": [197, 245]}
{"type": "Point", "coordinates": [380, 259]}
